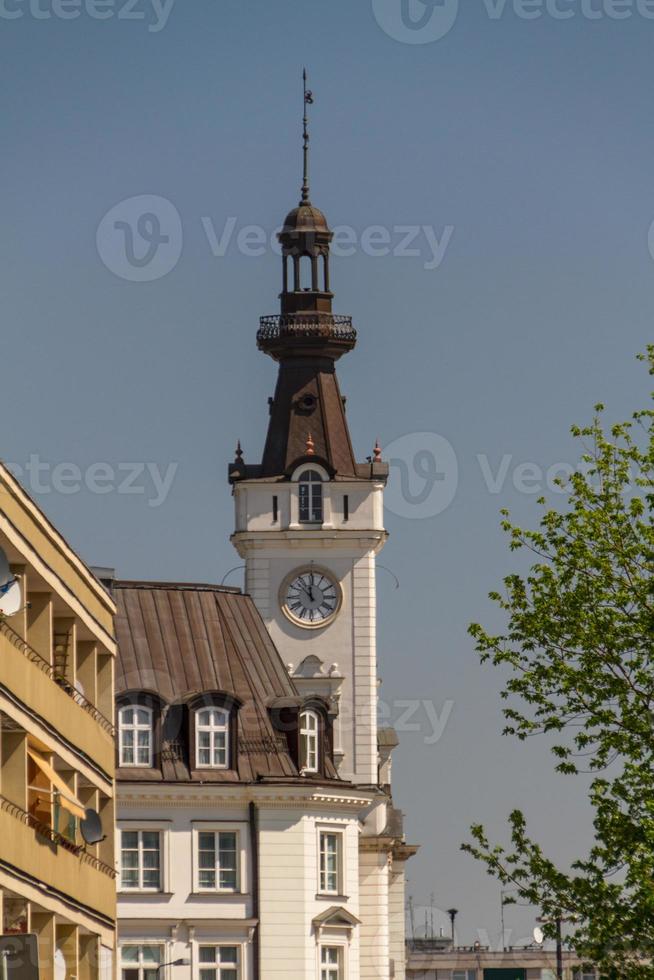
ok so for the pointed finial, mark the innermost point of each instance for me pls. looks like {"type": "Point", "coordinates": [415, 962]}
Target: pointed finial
{"type": "Point", "coordinates": [308, 100]}
{"type": "Point", "coordinates": [311, 447]}
{"type": "Point", "coordinates": [378, 452]}
{"type": "Point", "coordinates": [239, 452]}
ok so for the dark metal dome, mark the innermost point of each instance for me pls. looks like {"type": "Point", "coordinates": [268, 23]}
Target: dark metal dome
{"type": "Point", "coordinates": [305, 218]}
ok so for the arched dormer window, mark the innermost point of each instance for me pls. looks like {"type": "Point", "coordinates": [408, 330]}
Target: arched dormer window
{"type": "Point", "coordinates": [309, 741]}
{"type": "Point", "coordinates": [311, 498]}
{"type": "Point", "coordinates": [212, 738]}
{"type": "Point", "coordinates": [135, 735]}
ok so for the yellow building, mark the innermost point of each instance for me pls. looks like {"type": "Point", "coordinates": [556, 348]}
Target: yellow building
{"type": "Point", "coordinates": [56, 748]}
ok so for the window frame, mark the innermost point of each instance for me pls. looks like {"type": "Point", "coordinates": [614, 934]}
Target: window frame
{"type": "Point", "coordinates": [323, 831]}
{"type": "Point", "coordinates": [309, 734]}
{"type": "Point", "coordinates": [134, 727]}
{"type": "Point", "coordinates": [140, 944]}
{"type": "Point", "coordinates": [140, 869]}
{"type": "Point", "coordinates": [213, 730]}
{"type": "Point", "coordinates": [242, 869]}
{"type": "Point", "coordinates": [314, 480]}
{"type": "Point", "coordinates": [324, 974]}
{"type": "Point", "coordinates": [220, 944]}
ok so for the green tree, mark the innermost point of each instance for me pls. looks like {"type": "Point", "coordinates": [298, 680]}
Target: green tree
{"type": "Point", "coordinates": [579, 648]}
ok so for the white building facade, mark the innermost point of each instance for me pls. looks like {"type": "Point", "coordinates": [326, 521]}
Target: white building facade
{"type": "Point", "coordinates": [257, 835]}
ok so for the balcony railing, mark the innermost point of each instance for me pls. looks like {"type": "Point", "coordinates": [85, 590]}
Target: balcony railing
{"type": "Point", "coordinates": [48, 669]}
{"type": "Point", "coordinates": [329, 325]}
{"type": "Point", "coordinates": [48, 833]}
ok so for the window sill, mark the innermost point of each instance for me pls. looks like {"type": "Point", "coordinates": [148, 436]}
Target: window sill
{"type": "Point", "coordinates": [330, 897]}
{"type": "Point", "coordinates": [140, 892]}
{"type": "Point", "coordinates": [216, 893]}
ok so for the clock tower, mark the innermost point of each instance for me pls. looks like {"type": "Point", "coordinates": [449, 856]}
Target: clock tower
{"type": "Point", "coordinates": [309, 517]}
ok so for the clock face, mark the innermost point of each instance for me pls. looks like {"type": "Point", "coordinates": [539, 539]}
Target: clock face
{"type": "Point", "coordinates": [310, 597]}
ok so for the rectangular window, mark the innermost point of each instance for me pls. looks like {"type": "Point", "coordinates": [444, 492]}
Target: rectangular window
{"type": "Point", "coordinates": [330, 863]}
{"type": "Point", "coordinates": [275, 510]}
{"type": "Point", "coordinates": [140, 860]}
{"type": "Point", "coordinates": [135, 736]}
{"type": "Point", "coordinates": [331, 963]}
{"type": "Point", "coordinates": [309, 728]}
{"type": "Point", "coordinates": [140, 962]}
{"type": "Point", "coordinates": [211, 734]}
{"type": "Point", "coordinates": [219, 963]}
{"type": "Point", "coordinates": [310, 496]}
{"type": "Point", "coordinates": [346, 508]}
{"type": "Point", "coordinates": [218, 861]}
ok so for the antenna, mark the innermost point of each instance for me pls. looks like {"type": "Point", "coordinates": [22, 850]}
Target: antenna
{"type": "Point", "coordinates": [11, 600]}
{"type": "Point", "coordinates": [308, 100]}
{"type": "Point", "coordinates": [539, 936]}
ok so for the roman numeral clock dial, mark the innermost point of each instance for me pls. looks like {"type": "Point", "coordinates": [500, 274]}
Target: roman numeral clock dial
{"type": "Point", "coordinates": [310, 597]}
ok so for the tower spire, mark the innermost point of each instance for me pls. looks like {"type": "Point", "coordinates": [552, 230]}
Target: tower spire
{"type": "Point", "coordinates": [308, 100]}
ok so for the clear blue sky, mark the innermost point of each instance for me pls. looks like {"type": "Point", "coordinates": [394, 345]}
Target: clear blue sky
{"type": "Point", "coordinates": [532, 139]}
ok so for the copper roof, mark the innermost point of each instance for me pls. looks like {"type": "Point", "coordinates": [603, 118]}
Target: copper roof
{"type": "Point", "coordinates": [177, 641]}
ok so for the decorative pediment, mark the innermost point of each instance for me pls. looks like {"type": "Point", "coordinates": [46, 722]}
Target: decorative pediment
{"type": "Point", "coordinates": [311, 666]}
{"type": "Point", "coordinates": [335, 917]}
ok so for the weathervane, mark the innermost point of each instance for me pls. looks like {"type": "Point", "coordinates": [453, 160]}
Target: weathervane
{"type": "Point", "coordinates": [308, 100]}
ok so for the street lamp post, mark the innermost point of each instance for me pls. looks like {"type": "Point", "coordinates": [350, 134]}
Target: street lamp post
{"type": "Point", "coordinates": [452, 914]}
{"type": "Point", "coordinates": [558, 922]}
{"type": "Point", "coordinates": [181, 962]}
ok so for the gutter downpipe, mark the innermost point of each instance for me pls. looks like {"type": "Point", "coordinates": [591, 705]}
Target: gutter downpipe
{"type": "Point", "coordinates": [254, 847]}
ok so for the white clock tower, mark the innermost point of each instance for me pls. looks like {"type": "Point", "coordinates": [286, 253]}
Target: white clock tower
{"type": "Point", "coordinates": [309, 518]}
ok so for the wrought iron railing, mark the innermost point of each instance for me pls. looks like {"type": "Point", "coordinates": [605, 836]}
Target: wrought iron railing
{"type": "Point", "coordinates": [49, 833]}
{"type": "Point", "coordinates": [330, 325]}
{"type": "Point", "coordinates": [48, 669]}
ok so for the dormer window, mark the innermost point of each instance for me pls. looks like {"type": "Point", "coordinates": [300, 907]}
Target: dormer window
{"type": "Point", "coordinates": [212, 738]}
{"type": "Point", "coordinates": [309, 730]}
{"type": "Point", "coordinates": [135, 736]}
{"type": "Point", "coordinates": [310, 487]}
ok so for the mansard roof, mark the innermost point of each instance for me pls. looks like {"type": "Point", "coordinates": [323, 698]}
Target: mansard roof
{"type": "Point", "coordinates": [177, 642]}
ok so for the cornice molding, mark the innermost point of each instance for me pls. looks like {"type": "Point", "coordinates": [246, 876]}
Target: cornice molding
{"type": "Point", "coordinates": [270, 800]}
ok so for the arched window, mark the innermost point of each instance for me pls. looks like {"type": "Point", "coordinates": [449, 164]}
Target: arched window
{"type": "Point", "coordinates": [310, 497]}
{"type": "Point", "coordinates": [309, 730]}
{"type": "Point", "coordinates": [325, 272]}
{"type": "Point", "coordinates": [135, 735]}
{"type": "Point", "coordinates": [211, 738]}
{"type": "Point", "coordinates": [306, 272]}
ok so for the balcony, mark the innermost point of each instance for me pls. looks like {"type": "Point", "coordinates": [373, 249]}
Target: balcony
{"type": "Point", "coordinates": [33, 681]}
{"type": "Point", "coordinates": [323, 332]}
{"type": "Point", "coordinates": [55, 861]}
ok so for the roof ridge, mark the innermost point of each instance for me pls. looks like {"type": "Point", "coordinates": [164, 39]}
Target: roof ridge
{"type": "Point", "coordinates": [173, 586]}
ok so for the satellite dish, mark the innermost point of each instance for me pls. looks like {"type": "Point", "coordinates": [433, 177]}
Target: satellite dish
{"type": "Point", "coordinates": [539, 935]}
{"type": "Point", "coordinates": [59, 965]}
{"type": "Point", "coordinates": [11, 600]}
{"type": "Point", "coordinates": [91, 827]}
